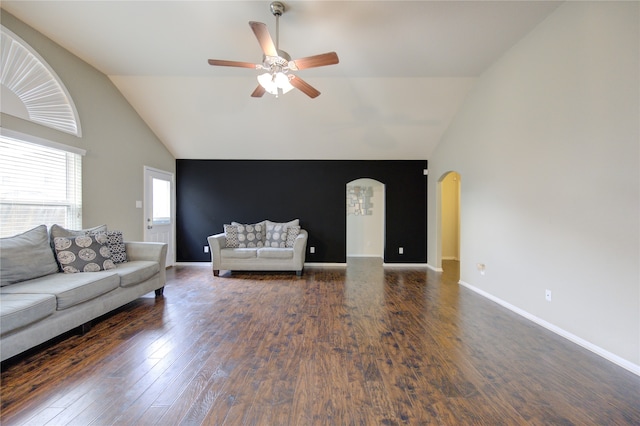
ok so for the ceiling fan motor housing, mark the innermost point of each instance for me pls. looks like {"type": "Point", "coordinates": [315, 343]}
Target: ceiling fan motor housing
{"type": "Point", "coordinates": [277, 8]}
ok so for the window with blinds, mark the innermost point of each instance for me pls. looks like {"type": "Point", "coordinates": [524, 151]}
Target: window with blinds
{"type": "Point", "coordinates": [38, 185]}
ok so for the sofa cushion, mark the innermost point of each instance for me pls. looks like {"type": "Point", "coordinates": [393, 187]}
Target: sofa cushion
{"type": "Point", "coordinates": [238, 253]}
{"type": "Point", "coordinates": [275, 253]}
{"type": "Point", "coordinates": [250, 235]}
{"type": "Point", "coordinates": [292, 234]}
{"type": "Point", "coordinates": [84, 253]}
{"type": "Point", "coordinates": [69, 289]}
{"type": "Point", "coordinates": [19, 310]}
{"type": "Point", "coordinates": [26, 256]}
{"type": "Point", "coordinates": [136, 271]}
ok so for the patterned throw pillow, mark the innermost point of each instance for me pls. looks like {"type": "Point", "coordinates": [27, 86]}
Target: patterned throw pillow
{"type": "Point", "coordinates": [250, 236]}
{"type": "Point", "coordinates": [57, 231]}
{"type": "Point", "coordinates": [115, 241]}
{"type": "Point", "coordinates": [231, 235]}
{"type": "Point", "coordinates": [276, 235]}
{"type": "Point", "coordinates": [84, 253]}
{"type": "Point", "coordinates": [294, 222]}
{"type": "Point", "coordinates": [292, 234]}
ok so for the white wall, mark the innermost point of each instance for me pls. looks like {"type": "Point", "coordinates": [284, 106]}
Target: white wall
{"type": "Point", "coordinates": [365, 234]}
{"type": "Point", "coordinates": [547, 144]}
{"type": "Point", "coordinates": [118, 142]}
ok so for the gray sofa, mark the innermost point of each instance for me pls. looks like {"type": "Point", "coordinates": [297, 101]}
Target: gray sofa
{"type": "Point", "coordinates": [266, 255]}
{"type": "Point", "coordinates": [39, 302]}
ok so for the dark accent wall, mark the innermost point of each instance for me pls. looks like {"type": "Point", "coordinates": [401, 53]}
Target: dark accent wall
{"type": "Point", "coordinates": [211, 193]}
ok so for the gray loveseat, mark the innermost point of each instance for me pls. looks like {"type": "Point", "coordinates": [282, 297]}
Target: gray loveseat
{"type": "Point", "coordinates": [263, 246]}
{"type": "Point", "coordinates": [39, 302]}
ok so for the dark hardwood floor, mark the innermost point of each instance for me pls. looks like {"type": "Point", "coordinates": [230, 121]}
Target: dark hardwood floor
{"type": "Point", "coordinates": [354, 346]}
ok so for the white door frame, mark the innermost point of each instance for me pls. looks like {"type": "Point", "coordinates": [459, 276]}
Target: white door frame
{"type": "Point", "coordinates": [149, 173]}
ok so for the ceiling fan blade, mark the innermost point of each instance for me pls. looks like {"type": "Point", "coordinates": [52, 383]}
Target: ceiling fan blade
{"type": "Point", "coordinates": [304, 87]}
{"type": "Point", "coordinates": [258, 92]}
{"type": "Point", "coordinates": [264, 38]}
{"type": "Point", "coordinates": [330, 58]}
{"type": "Point", "coordinates": [223, 63]}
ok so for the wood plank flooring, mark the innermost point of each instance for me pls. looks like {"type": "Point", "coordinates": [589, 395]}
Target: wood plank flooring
{"type": "Point", "coordinates": [355, 346]}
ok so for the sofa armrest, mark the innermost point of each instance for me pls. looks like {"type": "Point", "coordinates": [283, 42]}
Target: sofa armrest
{"type": "Point", "coordinates": [300, 248]}
{"type": "Point", "coordinates": [138, 250]}
{"type": "Point", "coordinates": [216, 243]}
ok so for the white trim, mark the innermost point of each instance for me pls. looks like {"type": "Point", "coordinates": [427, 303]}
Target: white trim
{"type": "Point", "coordinates": [324, 265]}
{"type": "Point", "coordinates": [13, 134]}
{"type": "Point", "coordinates": [405, 265]}
{"type": "Point", "coordinates": [371, 256]}
{"type": "Point", "coordinates": [433, 268]}
{"type": "Point", "coordinates": [203, 264]}
{"type": "Point", "coordinates": [635, 369]}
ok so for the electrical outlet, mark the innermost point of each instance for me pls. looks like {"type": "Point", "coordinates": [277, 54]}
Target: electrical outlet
{"type": "Point", "coordinates": [481, 267]}
{"type": "Point", "coordinates": [547, 295]}
{"type": "Point", "coordinates": [312, 250]}
{"type": "Point", "coordinates": [400, 250]}
{"type": "Point", "coordinates": [206, 249]}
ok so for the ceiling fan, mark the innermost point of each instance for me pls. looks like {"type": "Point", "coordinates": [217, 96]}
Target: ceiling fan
{"type": "Point", "coordinates": [277, 63]}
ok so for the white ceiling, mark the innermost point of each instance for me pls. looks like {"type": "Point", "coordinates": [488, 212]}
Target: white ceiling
{"type": "Point", "coordinates": [405, 69]}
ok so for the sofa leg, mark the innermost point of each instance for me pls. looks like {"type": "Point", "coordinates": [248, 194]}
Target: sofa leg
{"type": "Point", "coordinates": [216, 272]}
{"type": "Point", "coordinates": [160, 291]}
{"type": "Point", "coordinates": [299, 273]}
{"type": "Point", "coordinates": [85, 328]}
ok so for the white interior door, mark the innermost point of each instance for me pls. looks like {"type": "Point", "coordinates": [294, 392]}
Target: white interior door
{"type": "Point", "coordinates": [159, 208]}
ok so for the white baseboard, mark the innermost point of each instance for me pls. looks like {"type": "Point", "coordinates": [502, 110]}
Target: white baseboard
{"type": "Point", "coordinates": [207, 263]}
{"type": "Point", "coordinates": [433, 268]}
{"type": "Point", "coordinates": [385, 265]}
{"type": "Point", "coordinates": [405, 265]}
{"type": "Point", "coordinates": [324, 265]}
{"type": "Point", "coordinates": [627, 365]}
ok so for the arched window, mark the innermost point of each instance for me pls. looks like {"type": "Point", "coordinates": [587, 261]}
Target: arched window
{"type": "Point", "coordinates": [31, 90]}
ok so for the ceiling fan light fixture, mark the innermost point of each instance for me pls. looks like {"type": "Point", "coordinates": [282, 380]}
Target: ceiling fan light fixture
{"type": "Point", "coordinates": [276, 83]}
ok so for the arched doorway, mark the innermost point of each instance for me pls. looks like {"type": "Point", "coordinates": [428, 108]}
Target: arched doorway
{"type": "Point", "coordinates": [365, 218]}
{"type": "Point", "coordinates": [450, 219]}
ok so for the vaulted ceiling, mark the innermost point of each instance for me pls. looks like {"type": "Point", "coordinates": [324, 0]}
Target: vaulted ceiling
{"type": "Point", "coordinates": [405, 69]}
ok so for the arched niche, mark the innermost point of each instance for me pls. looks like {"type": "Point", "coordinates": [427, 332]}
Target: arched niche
{"type": "Point", "coordinates": [365, 218]}
{"type": "Point", "coordinates": [448, 217]}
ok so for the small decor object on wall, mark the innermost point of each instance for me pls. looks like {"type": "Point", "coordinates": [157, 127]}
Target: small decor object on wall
{"type": "Point", "coordinates": [359, 200]}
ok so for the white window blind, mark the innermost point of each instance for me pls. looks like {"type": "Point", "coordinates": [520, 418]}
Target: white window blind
{"type": "Point", "coordinates": [38, 185]}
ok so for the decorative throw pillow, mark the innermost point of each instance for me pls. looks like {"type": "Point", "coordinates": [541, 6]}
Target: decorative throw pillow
{"type": "Point", "coordinates": [276, 235]}
{"type": "Point", "coordinates": [115, 241]}
{"type": "Point", "coordinates": [294, 222]}
{"type": "Point", "coordinates": [292, 234]}
{"type": "Point", "coordinates": [250, 236]}
{"type": "Point", "coordinates": [26, 256]}
{"type": "Point", "coordinates": [259, 231]}
{"type": "Point", "coordinates": [58, 231]}
{"type": "Point", "coordinates": [231, 235]}
{"type": "Point", "coordinates": [84, 253]}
